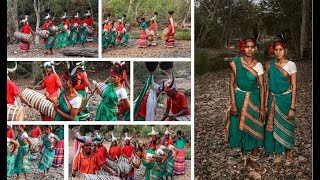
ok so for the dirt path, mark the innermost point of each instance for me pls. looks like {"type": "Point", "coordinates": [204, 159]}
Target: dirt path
{"type": "Point", "coordinates": [182, 49]}
{"type": "Point", "coordinates": [38, 50]}
{"type": "Point", "coordinates": [213, 157]}
{"type": "Point", "coordinates": [35, 173]}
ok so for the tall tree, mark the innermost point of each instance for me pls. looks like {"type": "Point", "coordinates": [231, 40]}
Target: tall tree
{"type": "Point", "coordinates": [304, 27]}
{"type": "Point", "coordinates": [37, 10]}
{"type": "Point", "coordinates": [12, 15]}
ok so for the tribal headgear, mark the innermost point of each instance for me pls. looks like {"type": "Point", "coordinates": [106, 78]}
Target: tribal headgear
{"type": "Point", "coordinates": [243, 43]}
{"type": "Point", "coordinates": [48, 16]}
{"type": "Point", "coordinates": [127, 137]}
{"type": "Point", "coordinates": [77, 15]}
{"type": "Point", "coordinates": [115, 71]}
{"type": "Point", "coordinates": [170, 85]}
{"type": "Point", "coordinates": [89, 12]}
{"type": "Point", "coordinates": [25, 20]}
{"type": "Point", "coordinates": [82, 65]}
{"type": "Point", "coordinates": [87, 142]}
{"type": "Point", "coordinates": [11, 70]}
{"type": "Point", "coordinates": [153, 132]}
{"type": "Point", "coordinates": [50, 64]}
{"type": "Point", "coordinates": [64, 15]}
{"type": "Point", "coordinates": [113, 138]}
{"type": "Point", "coordinates": [123, 18]}
{"type": "Point", "coordinates": [282, 43]}
{"type": "Point", "coordinates": [154, 17]}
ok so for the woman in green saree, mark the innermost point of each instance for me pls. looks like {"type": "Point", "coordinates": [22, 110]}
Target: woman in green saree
{"type": "Point", "coordinates": [114, 92]}
{"type": "Point", "coordinates": [63, 36]}
{"type": "Point", "coordinates": [167, 166]}
{"type": "Point", "coordinates": [22, 161]}
{"type": "Point", "coordinates": [150, 159]}
{"type": "Point", "coordinates": [83, 33]}
{"type": "Point", "coordinates": [281, 95]}
{"type": "Point", "coordinates": [68, 104]}
{"type": "Point", "coordinates": [48, 151]}
{"type": "Point", "coordinates": [10, 155]}
{"type": "Point", "coordinates": [244, 128]}
{"type": "Point", "coordinates": [112, 36]}
{"type": "Point", "coordinates": [73, 37]}
{"type": "Point", "coordinates": [51, 37]}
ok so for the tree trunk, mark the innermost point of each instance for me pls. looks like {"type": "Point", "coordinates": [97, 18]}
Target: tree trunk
{"type": "Point", "coordinates": [36, 5]}
{"type": "Point", "coordinates": [304, 27]}
{"type": "Point", "coordinates": [12, 12]}
{"type": "Point", "coordinates": [91, 9]}
{"type": "Point", "coordinates": [37, 72]}
{"type": "Point", "coordinates": [129, 8]}
{"type": "Point", "coordinates": [78, 51]}
{"type": "Point", "coordinates": [136, 13]}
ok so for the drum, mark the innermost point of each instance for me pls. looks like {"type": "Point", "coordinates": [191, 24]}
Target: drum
{"type": "Point", "coordinates": [15, 113]}
{"type": "Point", "coordinates": [39, 102]}
{"type": "Point", "coordinates": [96, 177]}
{"type": "Point", "coordinates": [34, 146]}
{"type": "Point", "coordinates": [42, 33]}
{"type": "Point", "coordinates": [102, 86]}
{"type": "Point", "coordinates": [113, 164]}
{"type": "Point", "coordinates": [90, 31]}
{"type": "Point", "coordinates": [120, 34]}
{"type": "Point", "coordinates": [150, 37]}
{"type": "Point", "coordinates": [148, 32]}
{"type": "Point", "coordinates": [23, 37]}
{"type": "Point", "coordinates": [164, 35]}
{"type": "Point", "coordinates": [124, 165]}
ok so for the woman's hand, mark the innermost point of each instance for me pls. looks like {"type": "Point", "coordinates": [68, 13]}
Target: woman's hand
{"type": "Point", "coordinates": [233, 109]}
{"type": "Point", "coordinates": [291, 115]}
{"type": "Point", "coordinates": [262, 114]}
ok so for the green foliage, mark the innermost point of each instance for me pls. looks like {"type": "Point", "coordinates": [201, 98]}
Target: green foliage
{"type": "Point", "coordinates": [208, 62]}
{"type": "Point", "coordinates": [136, 9]}
{"type": "Point", "coordinates": [26, 7]}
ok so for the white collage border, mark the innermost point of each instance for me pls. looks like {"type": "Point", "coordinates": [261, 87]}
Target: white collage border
{"type": "Point", "coordinates": [132, 61]}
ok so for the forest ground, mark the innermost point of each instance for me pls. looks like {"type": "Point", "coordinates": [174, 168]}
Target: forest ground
{"type": "Point", "coordinates": [214, 159]}
{"type": "Point", "coordinates": [182, 49]}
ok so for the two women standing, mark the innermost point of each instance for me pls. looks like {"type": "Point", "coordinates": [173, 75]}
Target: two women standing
{"type": "Point", "coordinates": [251, 105]}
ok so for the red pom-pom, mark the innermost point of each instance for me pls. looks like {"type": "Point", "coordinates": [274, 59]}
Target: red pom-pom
{"type": "Point", "coordinates": [271, 49]}
{"type": "Point", "coordinates": [241, 46]}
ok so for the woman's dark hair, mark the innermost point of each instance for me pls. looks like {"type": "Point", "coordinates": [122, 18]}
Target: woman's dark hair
{"type": "Point", "coordinates": [179, 132]}
{"type": "Point", "coordinates": [73, 78]}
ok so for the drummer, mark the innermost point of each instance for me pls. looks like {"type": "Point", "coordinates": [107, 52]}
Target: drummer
{"type": "Point", "coordinates": [119, 31]}
{"type": "Point", "coordinates": [52, 85]}
{"type": "Point", "coordinates": [89, 23]}
{"type": "Point", "coordinates": [128, 150]}
{"type": "Point", "coordinates": [45, 27]}
{"type": "Point", "coordinates": [87, 161]}
{"type": "Point", "coordinates": [12, 92]}
{"type": "Point", "coordinates": [35, 133]}
{"type": "Point", "coordinates": [26, 29]}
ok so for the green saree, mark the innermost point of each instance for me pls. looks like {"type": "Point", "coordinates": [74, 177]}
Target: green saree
{"type": "Point", "coordinates": [63, 37]}
{"type": "Point", "coordinates": [125, 40]}
{"type": "Point", "coordinates": [246, 129]}
{"type": "Point", "coordinates": [279, 133]}
{"type": "Point", "coordinates": [22, 163]}
{"type": "Point", "coordinates": [151, 173]}
{"type": "Point", "coordinates": [51, 38]}
{"type": "Point", "coordinates": [73, 36]}
{"type": "Point", "coordinates": [83, 33]}
{"type": "Point", "coordinates": [64, 106]}
{"type": "Point", "coordinates": [167, 166]}
{"type": "Point", "coordinates": [109, 105]}
{"type": "Point", "coordinates": [47, 156]}
{"type": "Point", "coordinates": [112, 38]}
{"type": "Point", "coordinates": [10, 163]}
